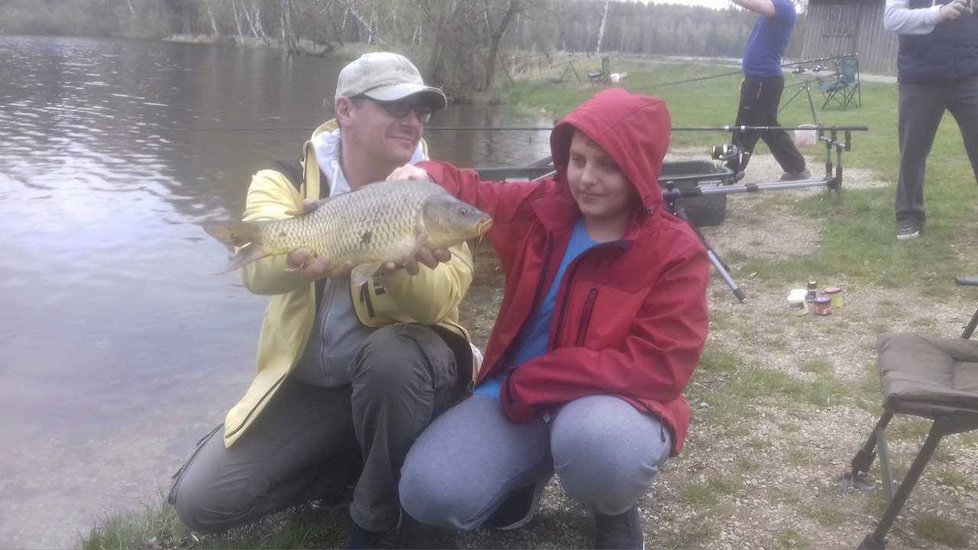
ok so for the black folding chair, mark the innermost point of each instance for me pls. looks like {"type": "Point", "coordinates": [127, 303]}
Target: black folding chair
{"type": "Point", "coordinates": [925, 376]}
{"type": "Point", "coordinates": [843, 90]}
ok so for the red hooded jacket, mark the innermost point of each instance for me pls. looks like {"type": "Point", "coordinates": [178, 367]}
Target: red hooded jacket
{"type": "Point", "coordinates": [630, 315]}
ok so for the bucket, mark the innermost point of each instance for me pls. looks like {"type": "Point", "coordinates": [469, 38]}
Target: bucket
{"type": "Point", "coordinates": [805, 136]}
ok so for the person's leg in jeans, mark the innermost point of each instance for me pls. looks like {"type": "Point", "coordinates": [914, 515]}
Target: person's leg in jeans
{"type": "Point", "coordinates": [402, 378]}
{"type": "Point", "coordinates": [747, 115]}
{"type": "Point", "coordinates": [778, 141]}
{"type": "Point", "coordinates": [963, 104]}
{"type": "Point", "coordinates": [300, 448]}
{"type": "Point", "coordinates": [469, 461]}
{"type": "Point", "coordinates": [921, 108]}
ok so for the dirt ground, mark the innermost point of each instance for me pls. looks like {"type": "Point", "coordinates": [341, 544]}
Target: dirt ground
{"type": "Point", "coordinates": [767, 478]}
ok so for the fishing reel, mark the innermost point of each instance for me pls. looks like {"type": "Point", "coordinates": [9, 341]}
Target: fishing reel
{"type": "Point", "coordinates": [725, 152]}
{"type": "Point", "coordinates": [731, 156]}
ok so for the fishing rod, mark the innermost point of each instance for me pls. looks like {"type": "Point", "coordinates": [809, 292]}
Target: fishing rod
{"type": "Point", "coordinates": [783, 65]}
{"type": "Point", "coordinates": [766, 128]}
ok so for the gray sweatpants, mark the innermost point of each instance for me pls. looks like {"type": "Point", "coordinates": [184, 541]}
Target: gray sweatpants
{"type": "Point", "coordinates": [308, 442]}
{"type": "Point", "coordinates": [605, 452]}
{"type": "Point", "coordinates": [922, 106]}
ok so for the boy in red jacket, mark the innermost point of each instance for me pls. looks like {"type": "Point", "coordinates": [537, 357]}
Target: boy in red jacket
{"type": "Point", "coordinates": [602, 322]}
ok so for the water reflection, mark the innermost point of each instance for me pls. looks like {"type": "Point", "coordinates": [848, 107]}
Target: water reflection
{"type": "Point", "coordinates": [120, 345]}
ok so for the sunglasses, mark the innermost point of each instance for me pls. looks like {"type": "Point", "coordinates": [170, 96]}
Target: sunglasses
{"type": "Point", "coordinates": [401, 108]}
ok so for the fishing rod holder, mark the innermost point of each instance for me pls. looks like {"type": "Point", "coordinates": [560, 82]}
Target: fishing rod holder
{"type": "Point", "coordinates": [717, 179]}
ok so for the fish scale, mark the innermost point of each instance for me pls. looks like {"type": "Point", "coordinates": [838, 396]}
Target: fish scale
{"type": "Point", "coordinates": [381, 222]}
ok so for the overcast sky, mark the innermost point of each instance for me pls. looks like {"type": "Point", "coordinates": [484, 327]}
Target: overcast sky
{"type": "Point", "coordinates": [718, 4]}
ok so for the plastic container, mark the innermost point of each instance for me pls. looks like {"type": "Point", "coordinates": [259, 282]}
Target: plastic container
{"type": "Point", "coordinates": [689, 174]}
{"type": "Point", "coordinates": [822, 306]}
{"type": "Point", "coordinates": [835, 294]}
{"type": "Point", "coordinates": [805, 135]}
{"type": "Point", "coordinates": [796, 302]}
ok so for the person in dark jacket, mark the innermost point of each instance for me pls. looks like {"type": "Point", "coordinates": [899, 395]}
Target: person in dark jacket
{"type": "Point", "coordinates": [602, 322]}
{"type": "Point", "coordinates": [760, 91]}
{"type": "Point", "coordinates": [938, 71]}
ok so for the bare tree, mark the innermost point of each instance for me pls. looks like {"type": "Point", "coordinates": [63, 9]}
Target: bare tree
{"type": "Point", "coordinates": [289, 36]}
{"type": "Point", "coordinates": [496, 35]}
{"type": "Point", "coordinates": [604, 20]}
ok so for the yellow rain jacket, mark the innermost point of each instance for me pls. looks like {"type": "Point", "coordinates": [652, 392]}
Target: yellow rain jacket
{"type": "Point", "coordinates": [431, 297]}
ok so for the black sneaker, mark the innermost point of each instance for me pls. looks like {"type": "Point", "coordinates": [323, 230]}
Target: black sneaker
{"type": "Point", "coordinates": [796, 176]}
{"type": "Point", "coordinates": [621, 531]}
{"type": "Point", "coordinates": [907, 231]}
{"type": "Point", "coordinates": [518, 508]}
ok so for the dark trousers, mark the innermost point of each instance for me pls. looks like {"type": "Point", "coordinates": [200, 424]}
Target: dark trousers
{"type": "Point", "coordinates": [759, 99]}
{"type": "Point", "coordinates": [310, 441]}
{"type": "Point", "coordinates": [922, 106]}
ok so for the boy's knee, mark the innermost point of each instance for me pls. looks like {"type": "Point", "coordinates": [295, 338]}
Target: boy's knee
{"type": "Point", "coordinates": [429, 500]}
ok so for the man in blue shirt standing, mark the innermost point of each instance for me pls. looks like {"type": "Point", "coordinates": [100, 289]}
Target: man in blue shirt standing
{"type": "Point", "coordinates": [938, 71]}
{"type": "Point", "coordinates": [760, 92]}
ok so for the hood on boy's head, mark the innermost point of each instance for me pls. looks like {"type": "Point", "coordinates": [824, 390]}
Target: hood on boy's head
{"type": "Point", "coordinates": [633, 129]}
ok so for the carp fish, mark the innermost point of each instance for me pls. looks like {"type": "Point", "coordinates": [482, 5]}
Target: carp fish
{"type": "Point", "coordinates": [380, 222]}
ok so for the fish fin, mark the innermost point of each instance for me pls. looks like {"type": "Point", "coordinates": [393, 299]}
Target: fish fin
{"type": "Point", "coordinates": [364, 272]}
{"type": "Point", "coordinates": [245, 255]}
{"type": "Point", "coordinates": [235, 234]}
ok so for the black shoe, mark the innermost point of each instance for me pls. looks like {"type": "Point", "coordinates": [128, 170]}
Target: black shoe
{"type": "Point", "coordinates": [518, 508]}
{"type": "Point", "coordinates": [796, 176]}
{"type": "Point", "coordinates": [361, 539]}
{"type": "Point", "coordinates": [907, 230]}
{"type": "Point", "coordinates": [621, 531]}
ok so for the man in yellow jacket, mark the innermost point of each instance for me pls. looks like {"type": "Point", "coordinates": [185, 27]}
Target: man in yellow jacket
{"type": "Point", "coordinates": [348, 376]}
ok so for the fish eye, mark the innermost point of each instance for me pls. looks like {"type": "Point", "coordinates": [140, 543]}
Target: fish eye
{"type": "Point", "coordinates": [463, 211]}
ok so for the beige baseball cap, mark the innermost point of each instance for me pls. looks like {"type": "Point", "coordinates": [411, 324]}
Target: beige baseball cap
{"type": "Point", "coordinates": [387, 76]}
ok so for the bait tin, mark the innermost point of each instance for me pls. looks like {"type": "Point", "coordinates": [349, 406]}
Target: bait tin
{"type": "Point", "coordinates": [823, 305]}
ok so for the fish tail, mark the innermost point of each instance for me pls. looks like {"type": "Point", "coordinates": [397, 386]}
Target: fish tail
{"type": "Point", "coordinates": [242, 238]}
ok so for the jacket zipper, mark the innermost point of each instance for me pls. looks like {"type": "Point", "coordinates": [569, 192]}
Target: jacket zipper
{"type": "Point", "coordinates": [569, 276]}
{"type": "Point", "coordinates": [592, 296]}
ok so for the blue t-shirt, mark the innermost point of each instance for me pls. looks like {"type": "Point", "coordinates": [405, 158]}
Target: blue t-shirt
{"type": "Point", "coordinates": [532, 340]}
{"type": "Point", "coordinates": [769, 40]}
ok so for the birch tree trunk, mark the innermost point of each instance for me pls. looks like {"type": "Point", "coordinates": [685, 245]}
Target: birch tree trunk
{"type": "Point", "coordinates": [210, 15]}
{"type": "Point", "coordinates": [237, 18]}
{"type": "Point", "coordinates": [290, 42]}
{"type": "Point", "coordinates": [604, 19]}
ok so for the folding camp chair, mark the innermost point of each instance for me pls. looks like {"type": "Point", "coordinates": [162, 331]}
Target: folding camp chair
{"type": "Point", "coordinates": [843, 90]}
{"type": "Point", "coordinates": [930, 377]}
{"type": "Point", "coordinates": [604, 75]}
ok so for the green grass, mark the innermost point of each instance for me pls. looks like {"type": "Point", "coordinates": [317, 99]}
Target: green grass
{"type": "Point", "coordinates": [941, 531]}
{"type": "Point", "coordinates": [707, 494]}
{"type": "Point", "coordinates": [858, 231]}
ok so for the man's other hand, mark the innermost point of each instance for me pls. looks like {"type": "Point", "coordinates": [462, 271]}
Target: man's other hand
{"type": "Point", "coordinates": [408, 172]}
{"type": "Point", "coordinates": [952, 10]}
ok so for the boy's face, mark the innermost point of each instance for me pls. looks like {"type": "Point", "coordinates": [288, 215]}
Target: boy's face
{"type": "Point", "coordinates": [601, 189]}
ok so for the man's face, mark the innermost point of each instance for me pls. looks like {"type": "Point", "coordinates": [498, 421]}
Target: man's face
{"type": "Point", "coordinates": [388, 130]}
{"type": "Point", "coordinates": [601, 189]}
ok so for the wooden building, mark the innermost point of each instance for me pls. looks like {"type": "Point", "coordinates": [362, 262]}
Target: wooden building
{"type": "Point", "coordinates": [836, 27]}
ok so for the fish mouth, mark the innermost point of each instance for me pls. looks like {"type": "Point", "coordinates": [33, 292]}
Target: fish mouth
{"type": "Point", "coordinates": [483, 226]}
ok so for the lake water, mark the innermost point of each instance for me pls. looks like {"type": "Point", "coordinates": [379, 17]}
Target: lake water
{"type": "Point", "coordinates": [120, 347]}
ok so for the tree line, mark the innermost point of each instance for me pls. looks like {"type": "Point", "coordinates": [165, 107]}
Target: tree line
{"type": "Point", "coordinates": [463, 41]}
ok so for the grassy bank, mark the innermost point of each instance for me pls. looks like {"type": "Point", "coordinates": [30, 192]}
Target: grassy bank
{"type": "Point", "coordinates": [780, 404]}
